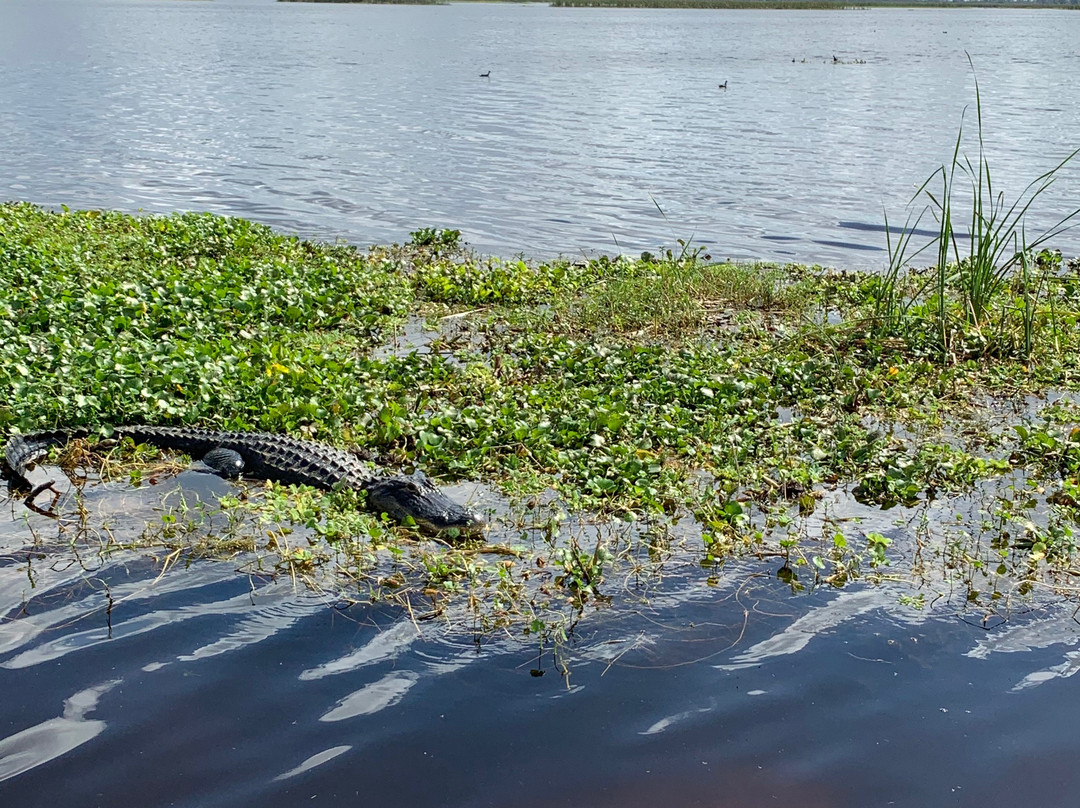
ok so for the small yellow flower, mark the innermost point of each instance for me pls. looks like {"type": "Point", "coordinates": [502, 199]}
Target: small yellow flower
{"type": "Point", "coordinates": [276, 367]}
{"type": "Point", "coordinates": [894, 371]}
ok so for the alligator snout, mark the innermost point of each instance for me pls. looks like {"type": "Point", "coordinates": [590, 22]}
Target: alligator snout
{"type": "Point", "coordinates": [414, 499]}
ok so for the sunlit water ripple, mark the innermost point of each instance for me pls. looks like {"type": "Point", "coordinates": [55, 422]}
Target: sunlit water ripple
{"type": "Point", "coordinates": [367, 122]}
{"type": "Point", "coordinates": [208, 684]}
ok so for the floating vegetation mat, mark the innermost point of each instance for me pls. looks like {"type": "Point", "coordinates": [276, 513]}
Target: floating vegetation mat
{"type": "Point", "coordinates": [624, 421]}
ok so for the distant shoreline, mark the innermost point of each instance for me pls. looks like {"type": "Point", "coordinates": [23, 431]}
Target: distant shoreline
{"type": "Point", "coordinates": [811, 5]}
{"type": "Point", "coordinates": [375, 2]}
{"type": "Point", "coordinates": [827, 5]}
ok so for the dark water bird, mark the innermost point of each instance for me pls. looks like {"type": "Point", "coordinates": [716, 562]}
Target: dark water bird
{"type": "Point", "coordinates": [486, 75]}
{"type": "Point", "coordinates": [835, 60]}
{"type": "Point", "coordinates": [722, 86]}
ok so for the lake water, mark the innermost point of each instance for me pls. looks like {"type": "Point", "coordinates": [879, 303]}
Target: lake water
{"type": "Point", "coordinates": [367, 122]}
{"type": "Point", "coordinates": [209, 684]}
{"type": "Point", "coordinates": [216, 684]}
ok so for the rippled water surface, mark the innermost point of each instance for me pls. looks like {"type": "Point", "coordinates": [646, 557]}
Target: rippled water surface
{"type": "Point", "coordinates": [367, 122]}
{"type": "Point", "coordinates": [136, 677]}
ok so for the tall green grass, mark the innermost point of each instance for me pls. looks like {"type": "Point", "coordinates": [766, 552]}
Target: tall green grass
{"type": "Point", "coordinates": [964, 294]}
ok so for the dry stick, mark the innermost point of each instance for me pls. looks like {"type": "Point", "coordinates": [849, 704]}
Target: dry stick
{"type": "Point", "coordinates": [626, 650]}
{"type": "Point", "coordinates": [47, 486]}
{"type": "Point", "coordinates": [408, 606]}
{"type": "Point", "coordinates": [684, 663]}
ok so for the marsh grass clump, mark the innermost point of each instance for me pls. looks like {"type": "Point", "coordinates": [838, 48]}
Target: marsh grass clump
{"type": "Point", "coordinates": [468, 279]}
{"type": "Point", "coordinates": [677, 296]}
{"type": "Point", "coordinates": [1001, 294]}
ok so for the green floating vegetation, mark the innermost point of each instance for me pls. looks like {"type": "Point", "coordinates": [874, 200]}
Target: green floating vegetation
{"type": "Point", "coordinates": [749, 400]}
{"type": "Point", "coordinates": [194, 317]}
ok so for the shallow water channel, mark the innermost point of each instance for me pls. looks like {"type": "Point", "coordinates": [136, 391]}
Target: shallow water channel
{"type": "Point", "coordinates": [138, 678]}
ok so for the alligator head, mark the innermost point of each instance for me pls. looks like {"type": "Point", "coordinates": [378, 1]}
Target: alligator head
{"type": "Point", "coordinates": [416, 500]}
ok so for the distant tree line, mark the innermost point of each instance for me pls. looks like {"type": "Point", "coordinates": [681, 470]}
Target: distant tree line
{"type": "Point", "coordinates": [815, 4]}
{"type": "Point", "coordinates": [376, 2]}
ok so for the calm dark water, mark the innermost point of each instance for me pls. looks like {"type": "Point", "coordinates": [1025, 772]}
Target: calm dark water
{"type": "Point", "coordinates": [365, 123]}
{"type": "Point", "coordinates": [209, 684]}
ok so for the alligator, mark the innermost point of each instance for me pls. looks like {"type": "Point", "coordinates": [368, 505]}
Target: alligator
{"type": "Point", "coordinates": [407, 499]}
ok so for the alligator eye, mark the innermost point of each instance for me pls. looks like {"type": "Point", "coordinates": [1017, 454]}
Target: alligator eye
{"type": "Point", "coordinates": [224, 462]}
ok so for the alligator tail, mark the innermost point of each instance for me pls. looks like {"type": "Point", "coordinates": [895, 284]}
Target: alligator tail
{"type": "Point", "coordinates": [23, 451]}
